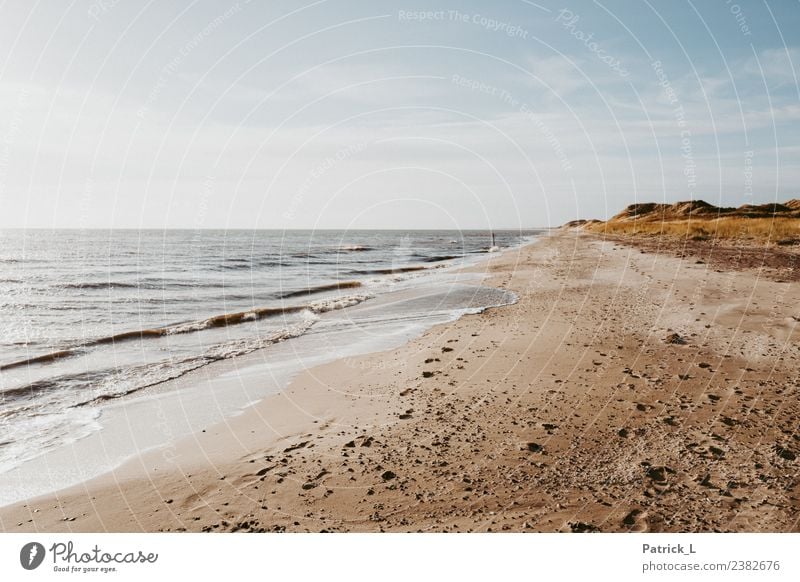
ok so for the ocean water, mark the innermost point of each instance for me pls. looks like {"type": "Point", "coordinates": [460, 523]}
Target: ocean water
{"type": "Point", "coordinates": [89, 319]}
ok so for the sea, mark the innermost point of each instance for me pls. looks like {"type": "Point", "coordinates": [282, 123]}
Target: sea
{"type": "Point", "coordinates": [90, 319]}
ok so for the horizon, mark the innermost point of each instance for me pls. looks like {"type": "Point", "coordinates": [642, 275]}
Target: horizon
{"type": "Point", "coordinates": [368, 229]}
{"type": "Point", "coordinates": [364, 117]}
{"type": "Point", "coordinates": [226, 229]}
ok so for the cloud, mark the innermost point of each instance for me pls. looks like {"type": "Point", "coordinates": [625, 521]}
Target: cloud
{"type": "Point", "coordinates": [778, 67]}
{"type": "Point", "coordinates": [557, 75]}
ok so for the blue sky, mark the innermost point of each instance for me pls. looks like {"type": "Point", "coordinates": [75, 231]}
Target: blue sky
{"type": "Point", "coordinates": [344, 114]}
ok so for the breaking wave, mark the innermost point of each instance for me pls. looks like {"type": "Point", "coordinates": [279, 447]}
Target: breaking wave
{"type": "Point", "coordinates": [224, 320]}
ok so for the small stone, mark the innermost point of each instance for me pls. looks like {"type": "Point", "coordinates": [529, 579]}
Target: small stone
{"type": "Point", "coordinates": [630, 519]}
{"type": "Point", "coordinates": [581, 527]}
{"type": "Point", "coordinates": [658, 474]}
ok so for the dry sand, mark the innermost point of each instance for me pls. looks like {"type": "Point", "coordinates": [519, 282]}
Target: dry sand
{"type": "Point", "coordinates": [576, 409]}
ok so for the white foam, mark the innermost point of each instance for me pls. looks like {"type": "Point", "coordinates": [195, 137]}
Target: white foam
{"type": "Point", "coordinates": [341, 302]}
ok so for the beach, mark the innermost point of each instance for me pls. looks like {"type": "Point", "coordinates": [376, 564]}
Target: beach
{"type": "Point", "coordinates": [627, 389]}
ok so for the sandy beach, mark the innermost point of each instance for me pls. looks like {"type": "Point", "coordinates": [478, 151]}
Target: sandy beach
{"type": "Point", "coordinates": [629, 389]}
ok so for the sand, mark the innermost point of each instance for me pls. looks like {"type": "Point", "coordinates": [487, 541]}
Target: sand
{"type": "Point", "coordinates": [625, 391]}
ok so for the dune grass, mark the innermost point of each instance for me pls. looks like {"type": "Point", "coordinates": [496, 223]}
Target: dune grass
{"type": "Point", "coordinates": [767, 230]}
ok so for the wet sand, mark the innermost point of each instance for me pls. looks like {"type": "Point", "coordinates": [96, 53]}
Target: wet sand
{"type": "Point", "coordinates": [626, 390]}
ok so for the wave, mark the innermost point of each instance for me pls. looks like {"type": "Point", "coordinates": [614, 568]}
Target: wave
{"type": "Point", "coordinates": [148, 283]}
{"type": "Point", "coordinates": [154, 374]}
{"type": "Point", "coordinates": [40, 359]}
{"type": "Point", "coordinates": [163, 284]}
{"type": "Point", "coordinates": [224, 320]}
{"type": "Point", "coordinates": [99, 285]}
{"type": "Point", "coordinates": [316, 261]}
{"type": "Point", "coordinates": [319, 289]}
{"type": "Point", "coordinates": [37, 387]}
{"type": "Point", "coordinates": [440, 258]}
{"type": "Point", "coordinates": [355, 248]}
{"type": "Point", "coordinates": [394, 271]}
{"type": "Point", "coordinates": [146, 376]}
{"type": "Point", "coordinates": [325, 305]}
{"type": "Point", "coordinates": [150, 375]}
{"type": "Point", "coordinates": [321, 254]}
{"type": "Point", "coordinates": [247, 264]}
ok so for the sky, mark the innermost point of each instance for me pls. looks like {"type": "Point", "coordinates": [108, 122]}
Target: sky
{"type": "Point", "coordinates": [371, 114]}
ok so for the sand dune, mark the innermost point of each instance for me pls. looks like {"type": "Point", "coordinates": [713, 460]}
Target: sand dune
{"type": "Point", "coordinates": [770, 224]}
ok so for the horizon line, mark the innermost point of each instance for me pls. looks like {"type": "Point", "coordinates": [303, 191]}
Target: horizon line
{"type": "Point", "coordinates": [181, 228]}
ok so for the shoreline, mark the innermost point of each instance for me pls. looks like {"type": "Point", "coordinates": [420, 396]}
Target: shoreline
{"type": "Point", "coordinates": [214, 382]}
{"type": "Point", "coordinates": [566, 411]}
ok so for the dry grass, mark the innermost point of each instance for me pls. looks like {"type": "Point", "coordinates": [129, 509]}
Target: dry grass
{"type": "Point", "coordinates": [767, 230]}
